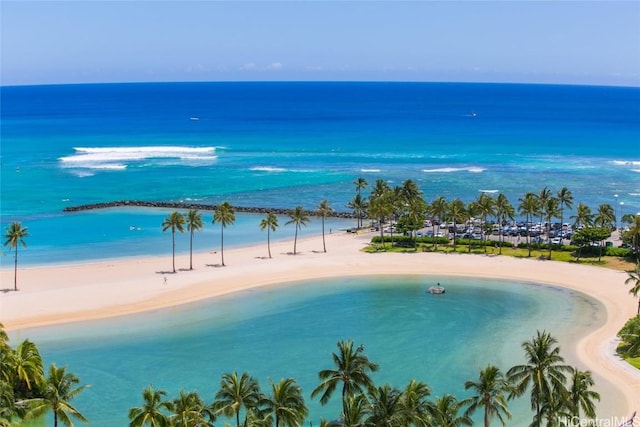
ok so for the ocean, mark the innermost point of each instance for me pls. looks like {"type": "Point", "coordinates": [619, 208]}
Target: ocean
{"type": "Point", "coordinates": [288, 144]}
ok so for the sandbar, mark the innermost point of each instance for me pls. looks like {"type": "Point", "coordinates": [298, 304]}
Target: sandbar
{"type": "Point", "coordinates": [110, 287]}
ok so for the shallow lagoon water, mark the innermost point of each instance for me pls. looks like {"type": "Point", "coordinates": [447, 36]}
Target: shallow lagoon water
{"type": "Point", "coordinates": [291, 330]}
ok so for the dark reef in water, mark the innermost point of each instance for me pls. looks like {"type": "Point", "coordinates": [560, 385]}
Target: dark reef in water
{"type": "Point", "coordinates": [198, 206]}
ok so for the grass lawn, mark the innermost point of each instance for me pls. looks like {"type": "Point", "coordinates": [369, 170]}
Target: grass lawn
{"type": "Point", "coordinates": [633, 361]}
{"type": "Point", "coordinates": [615, 263]}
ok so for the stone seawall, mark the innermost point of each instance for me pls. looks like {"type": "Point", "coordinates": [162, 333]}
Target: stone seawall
{"type": "Point", "coordinates": [198, 206]}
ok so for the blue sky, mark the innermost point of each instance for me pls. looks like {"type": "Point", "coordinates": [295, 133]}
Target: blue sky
{"type": "Point", "coordinates": [575, 42]}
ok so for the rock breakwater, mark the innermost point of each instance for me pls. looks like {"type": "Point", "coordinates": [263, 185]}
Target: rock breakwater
{"type": "Point", "coordinates": [198, 206]}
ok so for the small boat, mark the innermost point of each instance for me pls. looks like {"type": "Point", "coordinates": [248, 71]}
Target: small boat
{"type": "Point", "coordinates": [436, 289]}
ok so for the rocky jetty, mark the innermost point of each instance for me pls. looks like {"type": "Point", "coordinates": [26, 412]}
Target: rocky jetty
{"type": "Point", "coordinates": [198, 206]}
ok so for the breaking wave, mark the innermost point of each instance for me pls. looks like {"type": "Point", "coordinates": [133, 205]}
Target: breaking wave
{"type": "Point", "coordinates": [471, 169]}
{"type": "Point", "coordinates": [119, 158]}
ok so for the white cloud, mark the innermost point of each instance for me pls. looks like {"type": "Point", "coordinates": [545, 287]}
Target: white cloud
{"type": "Point", "coordinates": [248, 66]}
{"type": "Point", "coordinates": [275, 66]}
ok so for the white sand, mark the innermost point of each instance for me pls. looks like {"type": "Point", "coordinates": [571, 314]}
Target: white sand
{"type": "Point", "coordinates": [53, 294]}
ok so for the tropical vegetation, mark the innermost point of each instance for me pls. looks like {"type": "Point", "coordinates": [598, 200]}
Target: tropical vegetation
{"type": "Point", "coordinates": [15, 235]}
{"type": "Point", "coordinates": [174, 221]}
{"type": "Point", "coordinates": [299, 218]}
{"type": "Point", "coordinates": [559, 393]}
{"type": "Point", "coordinates": [270, 223]}
{"type": "Point", "coordinates": [225, 215]}
{"type": "Point", "coordinates": [26, 393]}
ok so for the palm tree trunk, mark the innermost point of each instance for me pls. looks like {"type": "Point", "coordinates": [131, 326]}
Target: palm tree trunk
{"type": "Point", "coordinates": [486, 417]}
{"type": "Point", "coordinates": [222, 244]}
{"type": "Point", "coordinates": [191, 251]}
{"type": "Point", "coordinates": [435, 238]}
{"type": "Point", "coordinates": [15, 271]}
{"type": "Point", "coordinates": [173, 243]}
{"type": "Point", "coordinates": [295, 240]}
{"type": "Point", "coordinates": [268, 242]}
{"type": "Point", "coordinates": [324, 246]}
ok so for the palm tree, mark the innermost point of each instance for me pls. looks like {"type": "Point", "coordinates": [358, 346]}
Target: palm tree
{"type": "Point", "coordinates": [457, 213]}
{"type": "Point", "coordinates": [190, 411]}
{"type": "Point", "coordinates": [632, 233]}
{"type": "Point", "coordinates": [270, 223]}
{"type": "Point", "coordinates": [286, 403]}
{"type": "Point", "coordinates": [356, 409]}
{"type": "Point", "coordinates": [298, 217]}
{"type": "Point", "coordinates": [485, 206]}
{"type": "Point", "coordinates": [530, 207]}
{"type": "Point", "coordinates": [360, 184]}
{"type": "Point", "coordinates": [634, 281]}
{"type": "Point", "coordinates": [194, 223]}
{"type": "Point", "coordinates": [151, 413]}
{"type": "Point", "coordinates": [542, 197]}
{"type": "Point", "coordinates": [381, 207]}
{"type": "Point", "coordinates": [550, 210]}
{"type": "Point", "coordinates": [236, 393]}
{"type": "Point", "coordinates": [15, 236]}
{"type": "Point", "coordinates": [386, 408]}
{"type": "Point", "coordinates": [437, 210]}
{"type": "Point", "coordinates": [581, 397]}
{"type": "Point", "coordinates": [565, 200]}
{"type": "Point", "coordinates": [174, 221]}
{"type": "Point", "coordinates": [489, 393]}
{"type": "Point", "coordinates": [415, 403]}
{"type": "Point", "coordinates": [605, 218]}
{"type": "Point", "coordinates": [352, 369]}
{"type": "Point", "coordinates": [225, 215]}
{"type": "Point", "coordinates": [381, 187]}
{"type": "Point", "coordinates": [324, 210]}
{"type": "Point", "coordinates": [8, 408]}
{"type": "Point", "coordinates": [504, 211]}
{"type": "Point", "coordinates": [583, 216]}
{"type": "Point", "coordinates": [26, 364]}
{"type": "Point", "coordinates": [544, 371]}
{"type": "Point", "coordinates": [358, 204]}
{"type": "Point", "coordinates": [59, 389]}
{"type": "Point", "coordinates": [415, 216]}
{"type": "Point", "coordinates": [445, 412]}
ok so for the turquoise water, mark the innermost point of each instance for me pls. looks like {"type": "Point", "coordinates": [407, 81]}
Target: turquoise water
{"type": "Point", "coordinates": [287, 144]}
{"type": "Point", "coordinates": [291, 330]}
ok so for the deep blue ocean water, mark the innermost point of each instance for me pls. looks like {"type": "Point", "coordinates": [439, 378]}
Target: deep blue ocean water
{"type": "Point", "coordinates": [284, 144]}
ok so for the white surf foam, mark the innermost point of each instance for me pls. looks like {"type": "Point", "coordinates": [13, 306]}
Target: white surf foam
{"type": "Point", "coordinates": [118, 158]}
{"type": "Point", "coordinates": [488, 191]}
{"type": "Point", "coordinates": [267, 169]}
{"type": "Point", "coordinates": [370, 170]}
{"type": "Point", "coordinates": [471, 169]}
{"type": "Point", "coordinates": [633, 163]}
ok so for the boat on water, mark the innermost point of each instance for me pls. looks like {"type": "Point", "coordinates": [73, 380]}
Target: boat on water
{"type": "Point", "coordinates": [437, 289]}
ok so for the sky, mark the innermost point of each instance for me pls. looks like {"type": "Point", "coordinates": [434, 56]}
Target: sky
{"type": "Point", "coordinates": [88, 41]}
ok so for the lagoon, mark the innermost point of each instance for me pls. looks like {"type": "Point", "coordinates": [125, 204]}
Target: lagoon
{"type": "Point", "coordinates": [290, 330]}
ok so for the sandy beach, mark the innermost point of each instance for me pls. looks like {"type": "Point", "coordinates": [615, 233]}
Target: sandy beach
{"type": "Point", "coordinates": [65, 293]}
